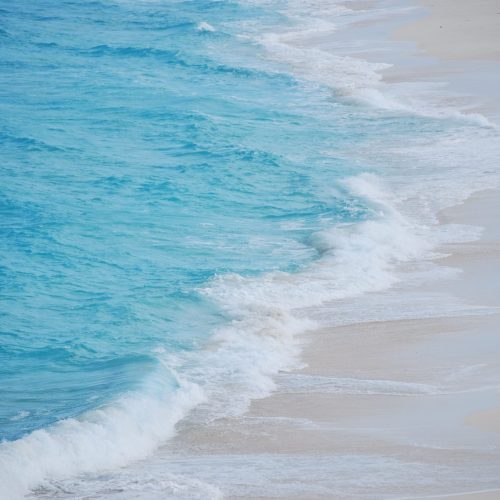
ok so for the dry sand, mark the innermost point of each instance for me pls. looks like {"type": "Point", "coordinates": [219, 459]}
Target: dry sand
{"type": "Point", "coordinates": [420, 393]}
{"type": "Point", "coordinates": [457, 29]}
{"type": "Point", "coordinates": [456, 42]}
{"type": "Point", "coordinates": [412, 406]}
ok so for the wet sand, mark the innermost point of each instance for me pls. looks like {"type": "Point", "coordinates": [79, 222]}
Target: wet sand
{"type": "Point", "coordinates": [405, 408]}
{"type": "Point", "coordinates": [415, 399]}
{"type": "Point", "coordinates": [455, 42]}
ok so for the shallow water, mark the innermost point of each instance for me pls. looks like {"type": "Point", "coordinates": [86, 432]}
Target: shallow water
{"type": "Point", "coordinates": [178, 178]}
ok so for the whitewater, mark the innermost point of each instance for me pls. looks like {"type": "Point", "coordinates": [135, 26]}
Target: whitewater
{"type": "Point", "coordinates": [182, 183]}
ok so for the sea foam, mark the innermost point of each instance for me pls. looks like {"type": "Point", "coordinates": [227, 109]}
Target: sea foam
{"type": "Point", "coordinates": [265, 312]}
{"type": "Point", "coordinates": [238, 363]}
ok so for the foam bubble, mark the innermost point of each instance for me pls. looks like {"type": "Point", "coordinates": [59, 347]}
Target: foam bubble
{"type": "Point", "coordinates": [298, 383]}
{"type": "Point", "coordinates": [20, 415]}
{"type": "Point", "coordinates": [308, 47]}
{"type": "Point", "coordinates": [109, 437]}
{"type": "Point", "coordinates": [241, 359]}
{"type": "Point", "coordinates": [204, 26]}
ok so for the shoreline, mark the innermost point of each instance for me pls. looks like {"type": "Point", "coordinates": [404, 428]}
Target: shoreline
{"type": "Point", "coordinates": [456, 29]}
{"type": "Point", "coordinates": [455, 41]}
{"type": "Point", "coordinates": [406, 393]}
{"type": "Point", "coordinates": [375, 389]}
{"type": "Point", "coordinates": [369, 367]}
{"type": "Point", "coordinates": [393, 396]}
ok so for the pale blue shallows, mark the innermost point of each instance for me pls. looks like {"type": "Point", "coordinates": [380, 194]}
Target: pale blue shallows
{"type": "Point", "coordinates": [140, 157]}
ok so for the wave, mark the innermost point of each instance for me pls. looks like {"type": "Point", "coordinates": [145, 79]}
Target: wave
{"type": "Point", "coordinates": [240, 360]}
{"type": "Point", "coordinates": [109, 437]}
{"type": "Point", "coordinates": [266, 314]}
{"type": "Point", "coordinates": [306, 47]}
{"type": "Point", "coordinates": [204, 26]}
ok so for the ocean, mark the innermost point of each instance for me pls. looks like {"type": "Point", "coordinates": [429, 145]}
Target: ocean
{"type": "Point", "coordinates": [181, 181]}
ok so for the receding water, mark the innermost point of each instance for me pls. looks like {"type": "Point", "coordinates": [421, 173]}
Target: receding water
{"type": "Point", "coordinates": [161, 173]}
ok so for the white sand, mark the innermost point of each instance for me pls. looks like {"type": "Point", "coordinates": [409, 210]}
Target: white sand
{"type": "Point", "coordinates": [392, 409]}
{"type": "Point", "coordinates": [417, 399]}
{"type": "Point", "coordinates": [456, 42]}
{"type": "Point", "coordinates": [457, 29]}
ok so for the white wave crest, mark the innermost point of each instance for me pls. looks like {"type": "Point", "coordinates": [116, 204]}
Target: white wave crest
{"type": "Point", "coordinates": [266, 315]}
{"type": "Point", "coordinates": [204, 26]}
{"type": "Point", "coordinates": [128, 429]}
{"type": "Point", "coordinates": [308, 47]}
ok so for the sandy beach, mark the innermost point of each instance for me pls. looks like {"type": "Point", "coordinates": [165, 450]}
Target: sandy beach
{"type": "Point", "coordinates": [456, 29]}
{"type": "Point", "coordinates": [250, 250]}
{"type": "Point", "coordinates": [420, 393]}
{"type": "Point", "coordinates": [406, 398]}
{"type": "Point", "coordinates": [455, 42]}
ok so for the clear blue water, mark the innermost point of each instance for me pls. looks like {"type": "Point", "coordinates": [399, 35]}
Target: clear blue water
{"type": "Point", "coordinates": [147, 150]}
{"type": "Point", "coordinates": [137, 164]}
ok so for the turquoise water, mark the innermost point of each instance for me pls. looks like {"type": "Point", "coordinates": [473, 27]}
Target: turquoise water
{"type": "Point", "coordinates": [155, 166]}
{"type": "Point", "coordinates": [137, 165]}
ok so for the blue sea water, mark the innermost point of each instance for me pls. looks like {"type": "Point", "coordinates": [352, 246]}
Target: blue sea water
{"type": "Point", "coordinates": [136, 165]}
{"type": "Point", "coordinates": [155, 165]}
